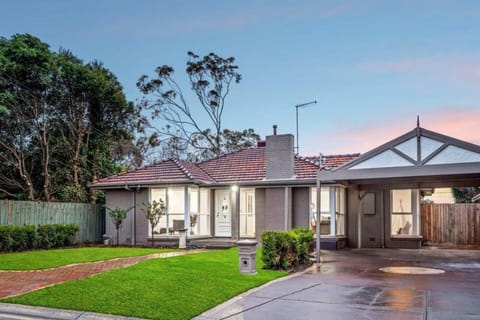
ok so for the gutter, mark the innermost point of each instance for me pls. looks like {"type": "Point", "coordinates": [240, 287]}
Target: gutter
{"type": "Point", "coordinates": [257, 183]}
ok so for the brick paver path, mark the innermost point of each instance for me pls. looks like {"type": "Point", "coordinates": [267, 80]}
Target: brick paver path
{"type": "Point", "coordinates": [13, 283]}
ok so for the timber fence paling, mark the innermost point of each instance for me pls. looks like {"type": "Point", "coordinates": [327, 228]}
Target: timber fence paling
{"type": "Point", "coordinates": [89, 217]}
{"type": "Point", "coordinates": [457, 224]}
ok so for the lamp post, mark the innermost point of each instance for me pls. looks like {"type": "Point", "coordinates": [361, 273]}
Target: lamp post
{"type": "Point", "coordinates": [302, 105]}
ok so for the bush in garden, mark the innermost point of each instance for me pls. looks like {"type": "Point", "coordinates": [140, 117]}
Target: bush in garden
{"type": "Point", "coordinates": [285, 250]}
{"type": "Point", "coordinates": [18, 238]}
{"type": "Point", "coordinates": [304, 238]}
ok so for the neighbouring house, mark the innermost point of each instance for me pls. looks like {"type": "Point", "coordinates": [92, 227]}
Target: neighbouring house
{"type": "Point", "coordinates": [237, 195]}
{"type": "Point", "coordinates": [369, 200]}
{"type": "Point", "coordinates": [439, 195]}
{"type": "Point", "coordinates": [476, 198]}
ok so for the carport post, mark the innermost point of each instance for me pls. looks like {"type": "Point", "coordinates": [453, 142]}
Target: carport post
{"type": "Point", "coordinates": [317, 225]}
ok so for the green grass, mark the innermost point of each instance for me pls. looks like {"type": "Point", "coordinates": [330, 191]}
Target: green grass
{"type": "Point", "coordinates": [174, 288]}
{"type": "Point", "coordinates": [43, 259]}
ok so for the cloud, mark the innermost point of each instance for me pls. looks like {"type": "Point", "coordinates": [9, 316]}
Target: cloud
{"type": "Point", "coordinates": [244, 15]}
{"type": "Point", "coordinates": [459, 122]}
{"type": "Point", "coordinates": [463, 69]}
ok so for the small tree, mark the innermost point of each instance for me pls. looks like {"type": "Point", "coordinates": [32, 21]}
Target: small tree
{"type": "Point", "coordinates": [118, 215]}
{"type": "Point", "coordinates": [154, 212]}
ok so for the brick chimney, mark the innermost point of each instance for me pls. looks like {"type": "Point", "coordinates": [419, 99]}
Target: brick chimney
{"type": "Point", "coordinates": [279, 156]}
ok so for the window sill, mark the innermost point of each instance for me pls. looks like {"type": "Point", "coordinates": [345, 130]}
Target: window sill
{"type": "Point", "coordinates": [406, 237]}
{"type": "Point", "coordinates": [175, 236]}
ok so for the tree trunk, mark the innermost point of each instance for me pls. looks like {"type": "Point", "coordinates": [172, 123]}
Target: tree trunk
{"type": "Point", "coordinates": [94, 192]}
{"type": "Point", "coordinates": [153, 238]}
{"type": "Point", "coordinates": [118, 237]}
{"type": "Point", "coordinates": [45, 164]}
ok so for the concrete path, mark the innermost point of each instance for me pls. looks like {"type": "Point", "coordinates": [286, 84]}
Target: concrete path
{"type": "Point", "coordinates": [14, 283]}
{"type": "Point", "coordinates": [349, 285]}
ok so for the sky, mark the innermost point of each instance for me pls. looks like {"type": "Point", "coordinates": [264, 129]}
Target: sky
{"type": "Point", "coordinates": [372, 66]}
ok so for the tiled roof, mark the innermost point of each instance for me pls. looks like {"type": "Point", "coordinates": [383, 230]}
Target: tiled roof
{"type": "Point", "coordinates": [168, 170]}
{"type": "Point", "coordinates": [240, 166]}
{"type": "Point", "coordinates": [333, 161]}
{"type": "Point", "coordinates": [243, 165]}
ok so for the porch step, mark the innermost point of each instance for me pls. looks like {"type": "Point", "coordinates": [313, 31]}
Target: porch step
{"type": "Point", "coordinates": [212, 243]}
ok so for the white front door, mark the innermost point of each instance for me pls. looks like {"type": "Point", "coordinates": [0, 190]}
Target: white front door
{"type": "Point", "coordinates": [223, 217]}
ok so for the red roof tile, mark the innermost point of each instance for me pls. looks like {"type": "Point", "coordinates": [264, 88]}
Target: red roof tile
{"type": "Point", "coordinates": [240, 166]}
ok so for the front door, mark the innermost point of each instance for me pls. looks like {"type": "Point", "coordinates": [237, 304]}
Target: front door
{"type": "Point", "coordinates": [223, 217]}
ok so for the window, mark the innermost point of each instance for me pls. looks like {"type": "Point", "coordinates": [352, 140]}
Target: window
{"type": "Point", "coordinates": [199, 211]}
{"type": "Point", "coordinates": [402, 212]}
{"type": "Point", "coordinates": [339, 211]}
{"type": "Point", "coordinates": [325, 210]}
{"type": "Point", "coordinates": [174, 199]}
{"type": "Point", "coordinates": [247, 212]}
{"type": "Point", "coordinates": [162, 226]}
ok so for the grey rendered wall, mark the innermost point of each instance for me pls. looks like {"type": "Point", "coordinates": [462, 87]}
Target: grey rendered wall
{"type": "Point", "coordinates": [124, 199]}
{"type": "Point", "coordinates": [275, 205]}
{"type": "Point", "coordinates": [301, 207]}
{"type": "Point", "coordinates": [279, 156]}
{"type": "Point", "coordinates": [120, 199]}
{"type": "Point", "coordinates": [372, 223]}
{"type": "Point", "coordinates": [259, 212]}
{"type": "Point", "coordinates": [352, 217]}
{"type": "Point", "coordinates": [141, 236]}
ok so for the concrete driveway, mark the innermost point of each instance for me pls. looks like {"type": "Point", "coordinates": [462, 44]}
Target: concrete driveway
{"type": "Point", "coordinates": [351, 286]}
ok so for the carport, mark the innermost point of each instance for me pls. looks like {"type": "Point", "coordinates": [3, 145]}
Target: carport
{"type": "Point", "coordinates": [385, 185]}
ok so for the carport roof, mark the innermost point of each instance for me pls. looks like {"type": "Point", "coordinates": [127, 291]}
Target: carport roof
{"type": "Point", "coordinates": [419, 157]}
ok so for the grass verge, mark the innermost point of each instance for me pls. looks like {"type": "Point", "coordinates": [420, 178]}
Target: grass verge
{"type": "Point", "coordinates": [43, 259]}
{"type": "Point", "coordinates": [173, 288]}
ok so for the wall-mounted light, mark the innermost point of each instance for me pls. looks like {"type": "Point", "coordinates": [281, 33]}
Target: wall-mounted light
{"type": "Point", "coordinates": [234, 188]}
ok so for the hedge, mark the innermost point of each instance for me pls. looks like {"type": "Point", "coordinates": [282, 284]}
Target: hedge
{"type": "Point", "coordinates": [28, 237]}
{"type": "Point", "coordinates": [285, 250]}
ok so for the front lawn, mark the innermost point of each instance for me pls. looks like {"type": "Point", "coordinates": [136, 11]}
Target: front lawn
{"type": "Point", "coordinates": [173, 288]}
{"type": "Point", "coordinates": [43, 259]}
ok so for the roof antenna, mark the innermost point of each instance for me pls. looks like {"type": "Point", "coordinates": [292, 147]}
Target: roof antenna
{"type": "Point", "coordinates": [418, 121]}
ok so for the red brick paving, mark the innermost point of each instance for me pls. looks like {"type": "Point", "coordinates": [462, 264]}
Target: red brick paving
{"type": "Point", "coordinates": [13, 283]}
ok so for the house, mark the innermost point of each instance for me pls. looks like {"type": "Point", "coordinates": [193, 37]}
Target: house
{"type": "Point", "coordinates": [476, 198]}
{"type": "Point", "coordinates": [237, 195]}
{"type": "Point", "coordinates": [368, 200]}
{"type": "Point", "coordinates": [385, 185]}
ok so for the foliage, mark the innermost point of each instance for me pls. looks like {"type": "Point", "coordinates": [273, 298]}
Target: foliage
{"type": "Point", "coordinates": [118, 215]}
{"type": "Point", "coordinates": [465, 195]}
{"type": "Point", "coordinates": [175, 288]}
{"type": "Point", "coordinates": [154, 212]}
{"type": "Point", "coordinates": [63, 122]}
{"type": "Point", "coordinates": [211, 78]}
{"type": "Point", "coordinates": [285, 250]}
{"type": "Point", "coordinates": [43, 259]}
{"type": "Point", "coordinates": [19, 238]}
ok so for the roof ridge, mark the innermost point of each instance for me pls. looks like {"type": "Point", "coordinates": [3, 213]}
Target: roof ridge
{"type": "Point", "coordinates": [205, 171]}
{"type": "Point", "coordinates": [228, 154]}
{"type": "Point", "coordinates": [182, 168]}
{"type": "Point", "coordinates": [305, 159]}
{"type": "Point", "coordinates": [343, 155]}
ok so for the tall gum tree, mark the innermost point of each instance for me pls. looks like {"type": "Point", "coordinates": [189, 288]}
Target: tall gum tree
{"type": "Point", "coordinates": [211, 78]}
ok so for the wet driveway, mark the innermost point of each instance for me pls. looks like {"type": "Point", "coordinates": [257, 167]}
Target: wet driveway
{"type": "Point", "coordinates": [351, 286]}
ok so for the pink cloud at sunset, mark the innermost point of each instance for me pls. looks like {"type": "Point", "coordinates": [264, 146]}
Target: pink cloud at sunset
{"type": "Point", "coordinates": [460, 123]}
{"type": "Point", "coordinates": [446, 67]}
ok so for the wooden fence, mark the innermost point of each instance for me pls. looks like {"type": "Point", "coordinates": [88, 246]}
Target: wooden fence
{"type": "Point", "coordinates": [454, 224]}
{"type": "Point", "coordinates": [90, 218]}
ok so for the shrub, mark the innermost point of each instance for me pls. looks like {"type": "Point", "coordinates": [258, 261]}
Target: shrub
{"type": "Point", "coordinates": [286, 249]}
{"type": "Point", "coordinates": [305, 240]}
{"type": "Point", "coordinates": [18, 238]}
